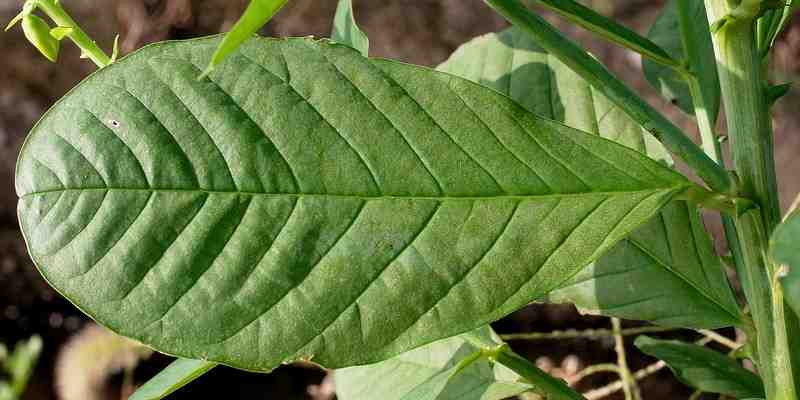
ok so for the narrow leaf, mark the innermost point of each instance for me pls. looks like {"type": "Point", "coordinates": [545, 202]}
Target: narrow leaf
{"type": "Point", "coordinates": [609, 29]}
{"type": "Point", "coordinates": [257, 14]}
{"type": "Point", "coordinates": [346, 30]}
{"type": "Point", "coordinates": [666, 32]}
{"type": "Point", "coordinates": [703, 368]}
{"type": "Point", "coordinates": [432, 372]}
{"type": "Point", "coordinates": [772, 23]}
{"type": "Point", "coordinates": [785, 249]}
{"type": "Point", "coordinates": [177, 375]}
{"type": "Point", "coordinates": [666, 272]}
{"type": "Point", "coordinates": [305, 192]}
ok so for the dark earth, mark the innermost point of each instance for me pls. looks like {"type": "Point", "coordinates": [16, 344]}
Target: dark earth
{"type": "Point", "coordinates": [417, 31]}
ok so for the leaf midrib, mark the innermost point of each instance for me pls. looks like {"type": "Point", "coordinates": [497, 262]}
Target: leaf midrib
{"type": "Point", "coordinates": [674, 189]}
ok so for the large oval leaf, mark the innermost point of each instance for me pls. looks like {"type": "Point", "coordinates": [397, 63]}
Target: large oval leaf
{"type": "Point", "coordinates": [309, 203]}
{"type": "Point", "coordinates": [666, 272]}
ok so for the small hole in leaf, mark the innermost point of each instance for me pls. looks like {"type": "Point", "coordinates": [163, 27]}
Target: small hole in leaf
{"type": "Point", "coordinates": [114, 123]}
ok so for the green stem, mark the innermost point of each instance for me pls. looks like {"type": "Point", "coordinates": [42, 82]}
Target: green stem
{"type": "Point", "coordinates": [602, 79]}
{"type": "Point", "coordinates": [750, 131]}
{"type": "Point", "coordinates": [629, 387]}
{"type": "Point", "coordinates": [749, 121]}
{"type": "Point", "coordinates": [56, 12]}
{"type": "Point", "coordinates": [765, 298]}
{"type": "Point", "coordinates": [547, 385]}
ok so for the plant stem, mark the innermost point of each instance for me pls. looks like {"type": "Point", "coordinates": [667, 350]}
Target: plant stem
{"type": "Point", "coordinates": [597, 75]}
{"type": "Point", "coordinates": [749, 121]}
{"type": "Point", "coordinates": [766, 303]}
{"type": "Point", "coordinates": [750, 131]}
{"type": "Point", "coordinates": [586, 334]}
{"type": "Point", "coordinates": [629, 386]}
{"type": "Point", "coordinates": [56, 12]}
{"type": "Point", "coordinates": [549, 386]}
{"type": "Point", "coordinates": [545, 384]}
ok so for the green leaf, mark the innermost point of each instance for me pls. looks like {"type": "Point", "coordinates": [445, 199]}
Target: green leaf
{"type": "Point", "coordinates": [666, 32]}
{"type": "Point", "coordinates": [432, 372]}
{"type": "Point", "coordinates": [785, 249]}
{"type": "Point", "coordinates": [346, 30]}
{"type": "Point", "coordinates": [38, 33]}
{"type": "Point", "coordinates": [703, 368]}
{"type": "Point", "coordinates": [513, 64]}
{"type": "Point", "coordinates": [284, 208]}
{"type": "Point", "coordinates": [257, 14]}
{"type": "Point", "coordinates": [608, 29]}
{"type": "Point", "coordinates": [772, 23]}
{"type": "Point", "coordinates": [178, 374]}
{"type": "Point", "coordinates": [671, 260]}
{"type": "Point", "coordinates": [20, 364]}
{"type": "Point", "coordinates": [598, 75]}
{"type": "Point", "coordinates": [666, 273]}
{"type": "Point", "coordinates": [6, 393]}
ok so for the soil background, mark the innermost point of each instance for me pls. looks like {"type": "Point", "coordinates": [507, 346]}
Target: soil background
{"type": "Point", "coordinates": [417, 31]}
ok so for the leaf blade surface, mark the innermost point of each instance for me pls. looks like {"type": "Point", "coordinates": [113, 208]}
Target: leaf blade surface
{"type": "Point", "coordinates": [430, 369]}
{"type": "Point", "coordinates": [303, 192]}
{"type": "Point", "coordinates": [178, 374]}
{"type": "Point", "coordinates": [703, 368]}
{"type": "Point", "coordinates": [671, 259]}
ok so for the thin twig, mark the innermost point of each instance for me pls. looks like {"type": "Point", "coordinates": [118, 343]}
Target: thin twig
{"type": "Point", "coordinates": [594, 334]}
{"type": "Point", "coordinates": [593, 369]}
{"type": "Point", "coordinates": [629, 386]}
{"type": "Point", "coordinates": [616, 386]}
{"type": "Point", "coordinates": [719, 338]}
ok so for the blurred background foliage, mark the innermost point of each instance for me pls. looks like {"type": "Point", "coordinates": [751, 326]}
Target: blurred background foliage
{"type": "Point", "coordinates": [82, 361]}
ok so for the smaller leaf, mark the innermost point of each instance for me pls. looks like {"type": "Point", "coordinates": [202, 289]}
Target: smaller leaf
{"type": "Point", "coordinates": [20, 364]}
{"type": "Point", "coordinates": [258, 13]}
{"type": "Point", "coordinates": [346, 31]}
{"type": "Point", "coordinates": [433, 387]}
{"type": "Point", "coordinates": [772, 23]}
{"type": "Point", "coordinates": [60, 32]}
{"type": "Point", "coordinates": [785, 249]}
{"type": "Point", "coordinates": [14, 21]}
{"type": "Point", "coordinates": [608, 29]}
{"type": "Point", "coordinates": [703, 368]}
{"type": "Point", "coordinates": [775, 92]}
{"type": "Point", "coordinates": [6, 393]}
{"type": "Point", "coordinates": [449, 369]}
{"type": "Point", "coordinates": [38, 33]}
{"type": "Point", "coordinates": [177, 375]}
{"type": "Point", "coordinates": [27, 8]}
{"type": "Point", "coordinates": [666, 32]}
{"type": "Point", "coordinates": [115, 49]}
